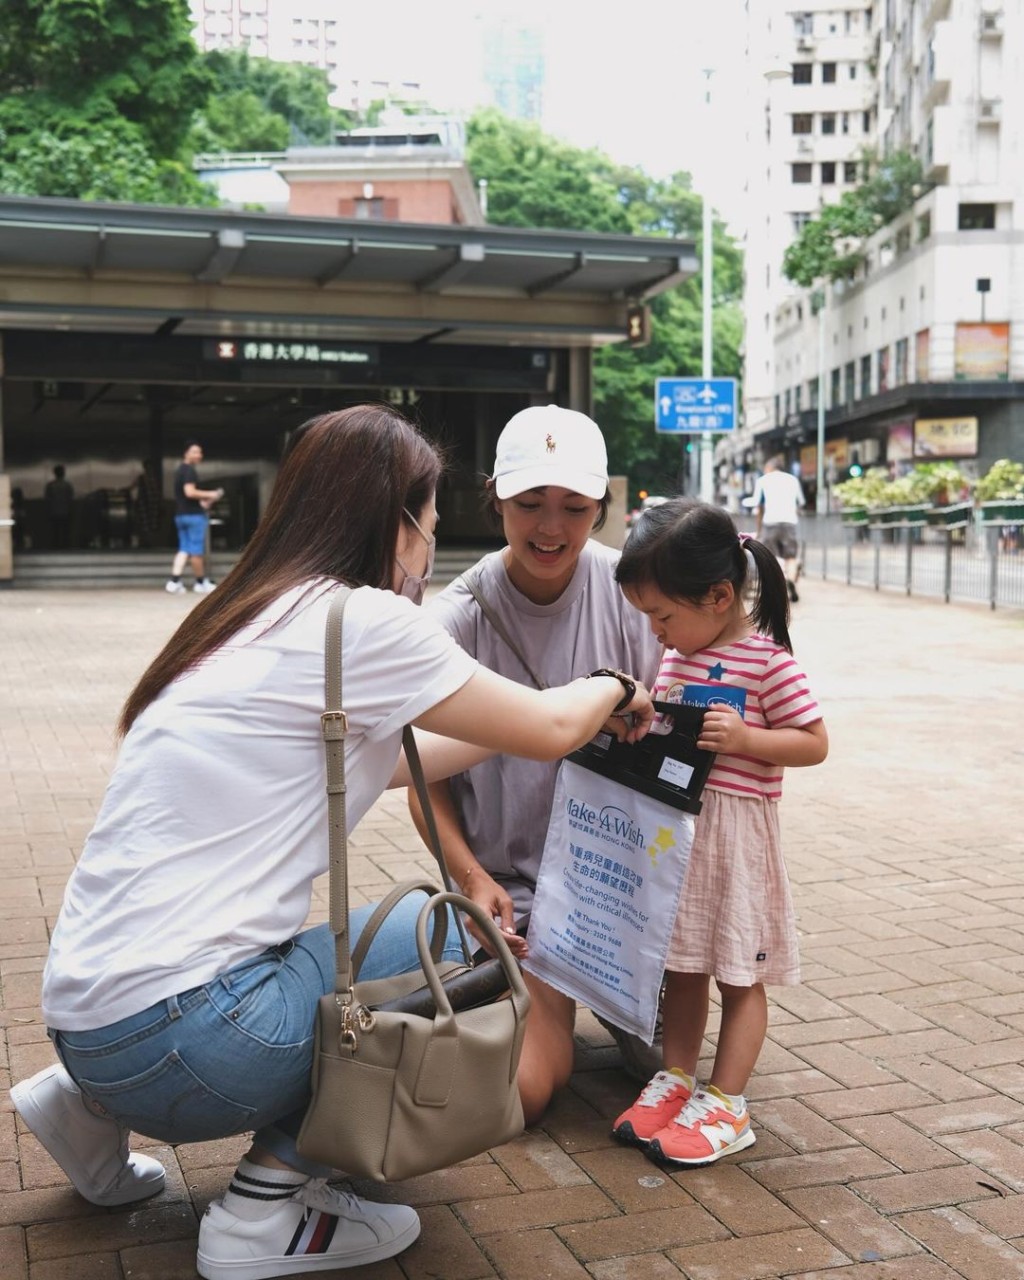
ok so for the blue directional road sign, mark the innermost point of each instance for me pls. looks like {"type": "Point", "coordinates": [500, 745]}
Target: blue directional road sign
{"type": "Point", "coordinates": [695, 404]}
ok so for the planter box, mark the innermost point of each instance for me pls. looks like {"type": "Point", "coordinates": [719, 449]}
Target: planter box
{"type": "Point", "coordinates": [855, 515]}
{"type": "Point", "coordinates": [1003, 511]}
{"type": "Point", "coordinates": [902, 515]}
{"type": "Point", "coordinates": [956, 516]}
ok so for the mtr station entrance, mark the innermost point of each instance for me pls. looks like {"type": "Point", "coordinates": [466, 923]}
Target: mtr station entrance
{"type": "Point", "coordinates": [126, 331]}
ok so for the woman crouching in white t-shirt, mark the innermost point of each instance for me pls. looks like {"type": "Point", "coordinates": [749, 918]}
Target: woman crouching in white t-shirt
{"type": "Point", "coordinates": [180, 989]}
{"type": "Point", "coordinates": [554, 612]}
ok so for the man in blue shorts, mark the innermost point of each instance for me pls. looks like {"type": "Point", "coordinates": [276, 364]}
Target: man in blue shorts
{"type": "Point", "coordinates": [190, 517]}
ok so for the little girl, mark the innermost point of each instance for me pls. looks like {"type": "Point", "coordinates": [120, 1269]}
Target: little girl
{"type": "Point", "coordinates": [685, 566]}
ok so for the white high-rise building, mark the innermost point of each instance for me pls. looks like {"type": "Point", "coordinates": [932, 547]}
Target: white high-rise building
{"type": "Point", "coordinates": [924, 342]}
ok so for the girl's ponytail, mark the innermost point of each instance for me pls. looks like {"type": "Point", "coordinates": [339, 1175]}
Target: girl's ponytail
{"type": "Point", "coordinates": [770, 610]}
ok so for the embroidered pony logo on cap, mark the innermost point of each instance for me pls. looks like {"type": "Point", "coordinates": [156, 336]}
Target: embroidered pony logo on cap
{"type": "Point", "coordinates": [549, 443]}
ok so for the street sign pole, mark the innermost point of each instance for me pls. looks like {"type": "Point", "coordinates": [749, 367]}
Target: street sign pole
{"type": "Point", "coordinates": [707, 456]}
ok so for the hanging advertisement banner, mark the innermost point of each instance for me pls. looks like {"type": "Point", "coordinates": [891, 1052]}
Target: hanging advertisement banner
{"type": "Point", "coordinates": [982, 352]}
{"type": "Point", "coordinates": [900, 444]}
{"type": "Point", "coordinates": [922, 353]}
{"type": "Point", "coordinates": [946, 438]}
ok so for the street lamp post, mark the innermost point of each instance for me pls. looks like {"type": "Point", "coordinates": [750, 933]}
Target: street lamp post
{"type": "Point", "coordinates": [707, 486]}
{"type": "Point", "coordinates": [820, 500]}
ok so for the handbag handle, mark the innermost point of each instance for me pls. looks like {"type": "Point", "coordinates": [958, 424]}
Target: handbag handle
{"type": "Point", "coordinates": [383, 909]}
{"type": "Point", "coordinates": [334, 728]}
{"type": "Point", "coordinates": [439, 1058]}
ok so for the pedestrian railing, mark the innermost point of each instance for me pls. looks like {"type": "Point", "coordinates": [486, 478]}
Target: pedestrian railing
{"type": "Point", "coordinates": [958, 559]}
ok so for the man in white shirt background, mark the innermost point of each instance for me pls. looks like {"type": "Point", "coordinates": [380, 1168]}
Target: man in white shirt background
{"type": "Point", "coordinates": [778, 498]}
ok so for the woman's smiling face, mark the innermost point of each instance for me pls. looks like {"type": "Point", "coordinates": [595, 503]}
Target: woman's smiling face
{"type": "Point", "coordinates": [546, 529]}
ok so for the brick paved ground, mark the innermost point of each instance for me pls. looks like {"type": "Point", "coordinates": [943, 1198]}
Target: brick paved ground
{"type": "Point", "coordinates": [888, 1102]}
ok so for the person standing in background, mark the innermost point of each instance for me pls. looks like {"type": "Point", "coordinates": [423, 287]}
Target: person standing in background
{"type": "Point", "coordinates": [778, 497]}
{"type": "Point", "coordinates": [59, 497]}
{"type": "Point", "coordinates": [191, 504]}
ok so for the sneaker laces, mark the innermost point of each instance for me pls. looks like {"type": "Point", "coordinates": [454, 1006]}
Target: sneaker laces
{"type": "Point", "coordinates": [700, 1107]}
{"type": "Point", "coordinates": [659, 1088]}
{"type": "Point", "coordinates": [318, 1193]}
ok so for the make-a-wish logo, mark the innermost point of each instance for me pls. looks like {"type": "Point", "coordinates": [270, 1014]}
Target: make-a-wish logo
{"type": "Point", "coordinates": [611, 820]}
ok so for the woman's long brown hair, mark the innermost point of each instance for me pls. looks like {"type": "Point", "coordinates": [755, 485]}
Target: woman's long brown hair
{"type": "Point", "coordinates": [335, 512]}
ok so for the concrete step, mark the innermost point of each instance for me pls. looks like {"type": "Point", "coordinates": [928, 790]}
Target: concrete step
{"type": "Point", "coordinates": [149, 569]}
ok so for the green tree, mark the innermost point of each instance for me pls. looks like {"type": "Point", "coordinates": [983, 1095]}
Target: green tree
{"type": "Point", "coordinates": [829, 246]}
{"type": "Point", "coordinates": [260, 105]}
{"type": "Point", "coordinates": [539, 181]}
{"type": "Point", "coordinates": [68, 64]}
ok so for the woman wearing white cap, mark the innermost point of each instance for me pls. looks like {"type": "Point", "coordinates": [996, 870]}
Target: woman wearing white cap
{"type": "Point", "coordinates": [553, 613]}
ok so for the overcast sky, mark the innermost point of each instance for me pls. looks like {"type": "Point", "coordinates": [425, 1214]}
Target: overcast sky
{"type": "Point", "coordinates": [629, 81]}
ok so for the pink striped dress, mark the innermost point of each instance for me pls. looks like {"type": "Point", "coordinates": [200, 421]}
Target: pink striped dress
{"type": "Point", "coordinates": [736, 919]}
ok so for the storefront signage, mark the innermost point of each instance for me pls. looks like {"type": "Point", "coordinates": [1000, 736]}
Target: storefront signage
{"type": "Point", "coordinates": [946, 438]}
{"type": "Point", "coordinates": [982, 351]}
{"type": "Point", "coordinates": [265, 351]}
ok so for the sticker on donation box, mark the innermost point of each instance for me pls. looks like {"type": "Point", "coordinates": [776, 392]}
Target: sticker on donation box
{"type": "Point", "coordinates": [615, 857]}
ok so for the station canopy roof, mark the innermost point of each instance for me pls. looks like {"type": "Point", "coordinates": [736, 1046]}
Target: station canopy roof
{"type": "Point", "coordinates": [73, 265]}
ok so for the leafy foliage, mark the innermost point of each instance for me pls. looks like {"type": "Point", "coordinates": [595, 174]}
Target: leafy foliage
{"type": "Point", "coordinates": [1004, 479]}
{"type": "Point", "coordinates": [535, 180]}
{"type": "Point", "coordinates": [259, 105]}
{"type": "Point", "coordinates": [828, 247]}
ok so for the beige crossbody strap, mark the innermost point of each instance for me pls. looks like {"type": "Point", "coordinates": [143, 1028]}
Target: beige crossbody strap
{"type": "Point", "coordinates": [334, 726]}
{"type": "Point", "coordinates": [472, 581]}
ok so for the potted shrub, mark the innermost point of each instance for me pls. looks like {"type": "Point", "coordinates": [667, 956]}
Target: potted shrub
{"type": "Point", "coordinates": [862, 494]}
{"type": "Point", "coordinates": [1000, 492]}
{"type": "Point", "coordinates": [948, 489]}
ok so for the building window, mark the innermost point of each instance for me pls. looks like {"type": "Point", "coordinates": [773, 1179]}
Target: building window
{"type": "Point", "coordinates": [828, 73]}
{"type": "Point", "coordinates": [803, 24]}
{"type": "Point", "coordinates": [849, 379]}
{"type": "Point", "coordinates": [849, 170]}
{"type": "Point", "coordinates": [371, 210]}
{"type": "Point", "coordinates": [865, 376]}
{"type": "Point", "coordinates": [803, 122]}
{"type": "Point", "coordinates": [976, 217]}
{"type": "Point", "coordinates": [837, 383]}
{"type": "Point", "coordinates": [902, 360]}
{"type": "Point", "coordinates": [883, 369]}
{"type": "Point", "coordinates": [865, 121]}
{"type": "Point", "coordinates": [924, 226]}
{"type": "Point", "coordinates": [844, 122]}
{"type": "Point", "coordinates": [828, 173]}
{"type": "Point", "coordinates": [802, 72]}
{"type": "Point", "coordinates": [801, 172]}
{"type": "Point", "coordinates": [828, 122]}
{"type": "Point", "coordinates": [853, 71]}
{"type": "Point", "coordinates": [797, 395]}
{"type": "Point", "coordinates": [902, 240]}
{"type": "Point", "coordinates": [800, 220]}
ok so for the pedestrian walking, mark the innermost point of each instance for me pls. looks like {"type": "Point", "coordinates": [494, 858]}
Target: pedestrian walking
{"type": "Point", "coordinates": [191, 505]}
{"type": "Point", "coordinates": [778, 498]}
{"type": "Point", "coordinates": [58, 499]}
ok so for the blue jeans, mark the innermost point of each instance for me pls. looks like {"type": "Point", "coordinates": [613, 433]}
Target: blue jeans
{"type": "Point", "coordinates": [234, 1054]}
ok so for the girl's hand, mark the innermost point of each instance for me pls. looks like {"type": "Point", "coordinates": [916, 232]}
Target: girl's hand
{"type": "Point", "coordinates": [633, 723]}
{"type": "Point", "coordinates": [723, 731]}
{"type": "Point", "coordinates": [489, 895]}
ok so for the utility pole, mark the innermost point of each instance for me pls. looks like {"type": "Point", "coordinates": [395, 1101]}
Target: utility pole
{"type": "Point", "coordinates": [707, 454]}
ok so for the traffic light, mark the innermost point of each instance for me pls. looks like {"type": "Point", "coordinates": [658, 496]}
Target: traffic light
{"type": "Point", "coordinates": [856, 469]}
{"type": "Point", "coordinates": [689, 446]}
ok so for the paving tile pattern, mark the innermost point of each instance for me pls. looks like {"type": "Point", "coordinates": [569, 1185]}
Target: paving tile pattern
{"type": "Point", "coordinates": [889, 1100]}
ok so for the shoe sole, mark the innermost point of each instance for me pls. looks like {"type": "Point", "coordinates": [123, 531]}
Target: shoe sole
{"type": "Point", "coordinates": [53, 1141]}
{"type": "Point", "coordinates": [625, 1134]}
{"type": "Point", "coordinates": [265, 1268]}
{"type": "Point", "coordinates": [655, 1153]}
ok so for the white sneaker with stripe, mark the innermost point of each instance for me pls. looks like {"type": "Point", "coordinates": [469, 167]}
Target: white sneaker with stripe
{"type": "Point", "coordinates": [317, 1228]}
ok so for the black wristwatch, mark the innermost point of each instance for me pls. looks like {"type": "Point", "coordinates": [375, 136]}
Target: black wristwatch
{"type": "Point", "coordinates": [628, 685]}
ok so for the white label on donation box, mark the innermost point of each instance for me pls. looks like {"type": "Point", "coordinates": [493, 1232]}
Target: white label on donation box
{"type": "Point", "coordinates": [607, 896]}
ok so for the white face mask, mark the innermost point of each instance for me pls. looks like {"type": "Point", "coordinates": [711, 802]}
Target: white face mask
{"type": "Point", "coordinates": [414, 585]}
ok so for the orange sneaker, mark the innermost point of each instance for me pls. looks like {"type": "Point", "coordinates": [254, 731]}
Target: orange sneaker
{"type": "Point", "coordinates": [662, 1098]}
{"type": "Point", "coordinates": [701, 1133]}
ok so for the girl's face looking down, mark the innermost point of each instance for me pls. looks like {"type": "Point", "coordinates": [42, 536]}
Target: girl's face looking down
{"type": "Point", "coordinates": [687, 626]}
{"type": "Point", "coordinates": [546, 529]}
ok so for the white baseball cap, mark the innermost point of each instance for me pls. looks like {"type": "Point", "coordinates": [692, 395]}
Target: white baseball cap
{"type": "Point", "coordinates": [546, 445]}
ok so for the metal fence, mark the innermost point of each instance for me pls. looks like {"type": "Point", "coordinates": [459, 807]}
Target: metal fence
{"type": "Point", "coordinates": [971, 561]}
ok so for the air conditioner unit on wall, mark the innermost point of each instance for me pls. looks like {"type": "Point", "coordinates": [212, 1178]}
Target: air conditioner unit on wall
{"type": "Point", "coordinates": [805, 44]}
{"type": "Point", "coordinates": [990, 110]}
{"type": "Point", "coordinates": [992, 23]}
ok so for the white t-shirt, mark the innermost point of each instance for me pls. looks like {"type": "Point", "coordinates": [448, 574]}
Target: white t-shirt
{"type": "Point", "coordinates": [505, 802]}
{"type": "Point", "coordinates": [782, 496]}
{"type": "Point", "coordinates": [214, 823]}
